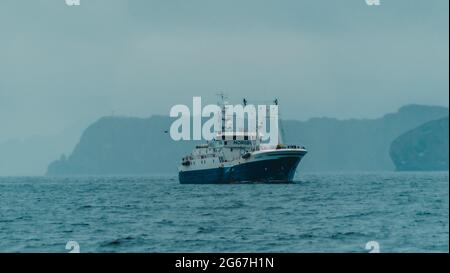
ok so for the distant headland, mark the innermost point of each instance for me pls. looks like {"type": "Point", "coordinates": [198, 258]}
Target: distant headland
{"type": "Point", "coordinates": [424, 148]}
{"type": "Point", "coordinates": [139, 146]}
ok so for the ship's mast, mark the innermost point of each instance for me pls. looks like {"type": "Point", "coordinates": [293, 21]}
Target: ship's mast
{"type": "Point", "coordinates": [280, 123]}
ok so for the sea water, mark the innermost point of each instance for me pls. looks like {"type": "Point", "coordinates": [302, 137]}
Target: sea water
{"type": "Point", "coordinates": [319, 212]}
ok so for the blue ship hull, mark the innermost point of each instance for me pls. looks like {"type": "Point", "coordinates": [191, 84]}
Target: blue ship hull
{"type": "Point", "coordinates": [279, 170]}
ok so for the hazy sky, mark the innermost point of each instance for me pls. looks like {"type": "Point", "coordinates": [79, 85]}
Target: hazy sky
{"type": "Point", "coordinates": [63, 67]}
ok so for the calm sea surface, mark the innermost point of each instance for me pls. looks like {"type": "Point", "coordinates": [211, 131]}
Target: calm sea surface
{"type": "Point", "coordinates": [403, 212]}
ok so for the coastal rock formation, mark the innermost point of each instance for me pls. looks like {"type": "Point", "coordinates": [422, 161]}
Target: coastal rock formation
{"type": "Point", "coordinates": [424, 148]}
{"type": "Point", "coordinates": [124, 146]}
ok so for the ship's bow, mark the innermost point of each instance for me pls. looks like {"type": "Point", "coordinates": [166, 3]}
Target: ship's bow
{"type": "Point", "coordinates": [272, 166]}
